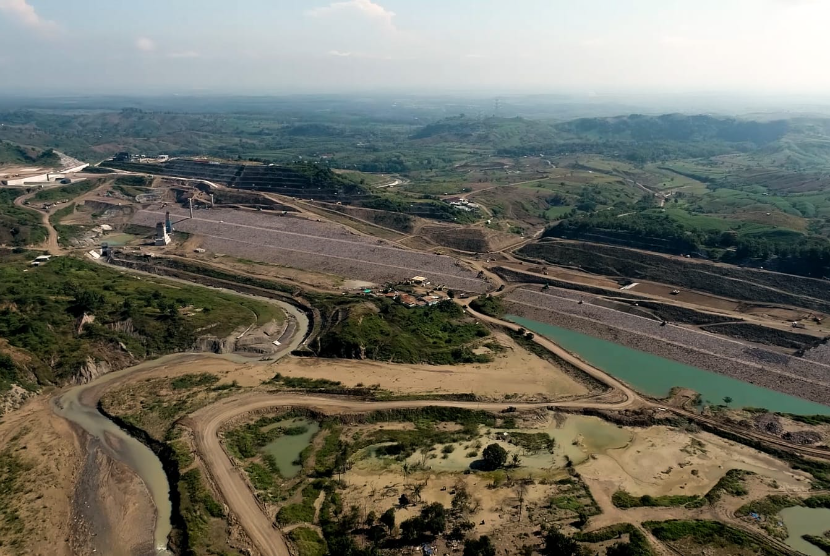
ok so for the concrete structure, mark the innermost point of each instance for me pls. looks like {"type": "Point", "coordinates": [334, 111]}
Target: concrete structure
{"type": "Point", "coordinates": [44, 178]}
{"type": "Point", "coordinates": [168, 224]}
{"type": "Point", "coordinates": [162, 238]}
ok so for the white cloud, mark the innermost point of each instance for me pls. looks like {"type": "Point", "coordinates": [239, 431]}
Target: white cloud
{"type": "Point", "coordinates": [366, 8]}
{"type": "Point", "coordinates": [145, 45]}
{"type": "Point", "coordinates": [184, 54]}
{"type": "Point", "coordinates": [474, 56]}
{"type": "Point", "coordinates": [26, 15]}
{"type": "Point", "coordinates": [339, 54]}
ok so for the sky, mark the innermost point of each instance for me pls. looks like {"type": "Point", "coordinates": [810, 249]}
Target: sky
{"type": "Point", "coordinates": [586, 47]}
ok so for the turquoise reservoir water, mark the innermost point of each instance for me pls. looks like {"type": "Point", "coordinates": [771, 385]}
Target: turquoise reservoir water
{"type": "Point", "coordinates": [656, 376]}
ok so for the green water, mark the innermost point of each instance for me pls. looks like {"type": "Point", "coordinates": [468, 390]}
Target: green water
{"type": "Point", "coordinates": [115, 240]}
{"type": "Point", "coordinates": [286, 449]}
{"type": "Point", "coordinates": [805, 521]}
{"type": "Point", "coordinates": [576, 439]}
{"type": "Point", "coordinates": [656, 376]}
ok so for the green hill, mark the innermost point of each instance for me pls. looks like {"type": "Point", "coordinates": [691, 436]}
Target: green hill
{"type": "Point", "coordinates": [492, 132]}
{"type": "Point", "coordinates": [677, 127]}
{"type": "Point", "coordinates": [11, 153]}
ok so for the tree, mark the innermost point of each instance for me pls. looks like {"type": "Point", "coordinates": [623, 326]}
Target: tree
{"type": "Point", "coordinates": [521, 492]}
{"type": "Point", "coordinates": [461, 500]}
{"type": "Point", "coordinates": [515, 460]}
{"type": "Point", "coordinates": [482, 546]}
{"type": "Point", "coordinates": [371, 518]}
{"type": "Point", "coordinates": [411, 530]}
{"type": "Point", "coordinates": [434, 518]}
{"type": "Point", "coordinates": [87, 301]}
{"type": "Point", "coordinates": [622, 549]}
{"type": "Point", "coordinates": [417, 490]}
{"type": "Point", "coordinates": [558, 544]}
{"type": "Point", "coordinates": [460, 530]}
{"type": "Point", "coordinates": [494, 456]}
{"type": "Point", "coordinates": [404, 501]}
{"type": "Point", "coordinates": [727, 400]}
{"type": "Point", "coordinates": [387, 518]}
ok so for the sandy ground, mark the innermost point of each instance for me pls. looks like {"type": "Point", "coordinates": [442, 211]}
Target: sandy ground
{"type": "Point", "coordinates": [48, 444]}
{"type": "Point", "coordinates": [54, 526]}
{"type": "Point", "coordinates": [660, 461]}
{"type": "Point", "coordinates": [515, 371]}
{"type": "Point", "coordinates": [113, 513]}
{"type": "Point", "coordinates": [107, 496]}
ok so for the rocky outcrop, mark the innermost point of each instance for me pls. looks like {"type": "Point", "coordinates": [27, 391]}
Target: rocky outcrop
{"type": "Point", "coordinates": [91, 370]}
{"type": "Point", "coordinates": [212, 344]}
{"type": "Point", "coordinates": [14, 398]}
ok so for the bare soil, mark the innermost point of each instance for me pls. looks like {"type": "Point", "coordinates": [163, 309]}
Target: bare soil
{"type": "Point", "coordinates": [515, 373]}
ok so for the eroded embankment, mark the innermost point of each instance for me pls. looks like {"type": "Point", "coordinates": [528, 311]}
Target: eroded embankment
{"type": "Point", "coordinates": [178, 535]}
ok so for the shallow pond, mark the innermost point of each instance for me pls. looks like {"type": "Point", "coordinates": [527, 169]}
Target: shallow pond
{"type": "Point", "coordinates": [656, 376]}
{"type": "Point", "coordinates": [805, 521]}
{"type": "Point", "coordinates": [576, 439]}
{"type": "Point", "coordinates": [115, 240]}
{"type": "Point", "coordinates": [286, 449]}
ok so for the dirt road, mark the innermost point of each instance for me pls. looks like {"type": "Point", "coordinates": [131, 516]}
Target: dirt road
{"type": "Point", "coordinates": [52, 244]}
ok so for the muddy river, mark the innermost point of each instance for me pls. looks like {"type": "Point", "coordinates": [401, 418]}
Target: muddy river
{"type": "Point", "coordinates": [79, 405]}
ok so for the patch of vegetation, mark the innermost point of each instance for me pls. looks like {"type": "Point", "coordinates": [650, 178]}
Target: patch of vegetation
{"type": "Point", "coordinates": [437, 335]}
{"type": "Point", "coordinates": [12, 470]}
{"type": "Point", "coordinates": [53, 194]}
{"type": "Point", "coordinates": [189, 381]}
{"type": "Point", "coordinates": [19, 226]}
{"type": "Point", "coordinates": [198, 508]}
{"type": "Point", "coordinates": [624, 500]}
{"type": "Point", "coordinates": [302, 512]}
{"type": "Point", "coordinates": [637, 544]}
{"type": "Point", "coordinates": [707, 533]}
{"type": "Point", "coordinates": [247, 440]}
{"type": "Point", "coordinates": [134, 319]}
{"type": "Point", "coordinates": [732, 483]}
{"type": "Point", "coordinates": [567, 502]}
{"type": "Point", "coordinates": [533, 442]}
{"type": "Point", "coordinates": [813, 420]}
{"type": "Point", "coordinates": [488, 305]}
{"type": "Point", "coordinates": [401, 444]}
{"type": "Point", "coordinates": [308, 542]}
{"type": "Point", "coordinates": [11, 153]}
{"type": "Point", "coordinates": [769, 506]}
{"type": "Point", "coordinates": [821, 542]}
{"type": "Point", "coordinates": [494, 457]}
{"type": "Point", "coordinates": [133, 181]}
{"type": "Point", "coordinates": [326, 458]}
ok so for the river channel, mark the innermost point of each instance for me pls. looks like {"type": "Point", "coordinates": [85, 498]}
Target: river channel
{"type": "Point", "coordinates": [79, 405]}
{"type": "Point", "coordinates": [656, 376]}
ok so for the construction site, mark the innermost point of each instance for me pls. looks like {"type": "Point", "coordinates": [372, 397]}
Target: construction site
{"type": "Point", "coordinates": [618, 394]}
{"type": "Point", "coordinates": [219, 213]}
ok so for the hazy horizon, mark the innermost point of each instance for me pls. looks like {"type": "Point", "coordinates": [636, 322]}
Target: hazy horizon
{"type": "Point", "coordinates": [594, 49]}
